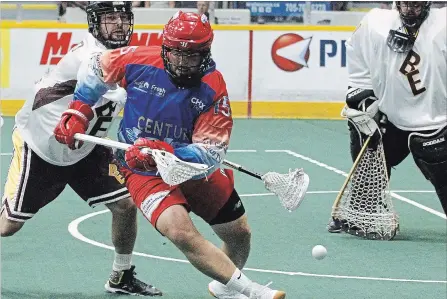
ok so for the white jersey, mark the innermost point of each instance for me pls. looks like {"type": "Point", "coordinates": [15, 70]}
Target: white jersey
{"type": "Point", "coordinates": [411, 87]}
{"type": "Point", "coordinates": [40, 115]}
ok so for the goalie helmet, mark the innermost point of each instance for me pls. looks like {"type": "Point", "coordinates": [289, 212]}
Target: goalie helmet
{"type": "Point", "coordinates": [111, 22]}
{"type": "Point", "coordinates": [186, 48]}
{"type": "Point", "coordinates": [412, 14]}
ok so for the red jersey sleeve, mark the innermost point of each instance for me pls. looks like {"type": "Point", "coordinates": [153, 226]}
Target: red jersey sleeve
{"type": "Point", "coordinates": [214, 126]}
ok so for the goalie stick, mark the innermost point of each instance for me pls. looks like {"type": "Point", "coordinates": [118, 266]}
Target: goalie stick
{"type": "Point", "coordinates": [351, 172]}
{"type": "Point", "coordinates": [363, 206]}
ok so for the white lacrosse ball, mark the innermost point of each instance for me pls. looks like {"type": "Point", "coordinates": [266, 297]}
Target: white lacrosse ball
{"type": "Point", "coordinates": [319, 252]}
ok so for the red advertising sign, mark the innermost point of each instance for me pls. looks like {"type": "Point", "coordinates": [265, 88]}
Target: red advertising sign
{"type": "Point", "coordinates": [57, 44]}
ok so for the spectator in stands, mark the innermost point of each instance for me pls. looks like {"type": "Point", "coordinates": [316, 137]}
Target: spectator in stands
{"type": "Point", "coordinates": [62, 8]}
{"type": "Point", "coordinates": [203, 9]}
{"type": "Point", "coordinates": [136, 4]}
{"type": "Point", "coordinates": [339, 5]}
{"type": "Point", "coordinates": [185, 4]}
{"type": "Point", "coordinates": [162, 4]}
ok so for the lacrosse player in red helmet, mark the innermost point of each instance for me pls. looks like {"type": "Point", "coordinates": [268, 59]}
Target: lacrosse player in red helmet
{"type": "Point", "coordinates": [177, 101]}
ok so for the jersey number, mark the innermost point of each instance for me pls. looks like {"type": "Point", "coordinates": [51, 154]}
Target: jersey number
{"type": "Point", "coordinates": [223, 106]}
{"type": "Point", "coordinates": [409, 69]}
{"type": "Point", "coordinates": [104, 119]}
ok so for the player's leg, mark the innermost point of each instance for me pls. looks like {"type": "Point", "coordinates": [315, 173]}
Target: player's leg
{"type": "Point", "coordinates": [31, 184]}
{"type": "Point", "coordinates": [217, 202]}
{"type": "Point", "coordinates": [429, 151]}
{"type": "Point", "coordinates": [166, 208]}
{"type": "Point", "coordinates": [231, 226]}
{"type": "Point", "coordinates": [394, 144]}
{"type": "Point", "coordinates": [97, 180]}
{"type": "Point", "coordinates": [395, 148]}
{"type": "Point", "coordinates": [236, 237]}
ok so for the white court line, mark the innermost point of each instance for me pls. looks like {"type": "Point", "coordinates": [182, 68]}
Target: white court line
{"type": "Point", "coordinates": [271, 194]}
{"type": "Point", "coordinates": [397, 196]}
{"type": "Point", "coordinates": [335, 192]}
{"type": "Point", "coordinates": [74, 231]}
{"type": "Point", "coordinates": [230, 151]}
{"type": "Point", "coordinates": [242, 151]}
{"type": "Point", "coordinates": [332, 191]}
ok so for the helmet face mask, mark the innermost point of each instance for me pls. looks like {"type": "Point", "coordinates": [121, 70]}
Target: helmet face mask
{"type": "Point", "coordinates": [413, 13]}
{"type": "Point", "coordinates": [185, 68]}
{"type": "Point", "coordinates": [184, 63]}
{"type": "Point", "coordinates": [186, 48]}
{"type": "Point", "coordinates": [111, 23]}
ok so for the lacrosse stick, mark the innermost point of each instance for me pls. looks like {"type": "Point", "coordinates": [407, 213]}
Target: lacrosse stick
{"type": "Point", "coordinates": [290, 188]}
{"type": "Point", "coordinates": [171, 169]}
{"type": "Point", "coordinates": [351, 172]}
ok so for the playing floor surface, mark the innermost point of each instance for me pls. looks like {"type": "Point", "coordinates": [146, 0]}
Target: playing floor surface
{"type": "Point", "coordinates": [65, 250]}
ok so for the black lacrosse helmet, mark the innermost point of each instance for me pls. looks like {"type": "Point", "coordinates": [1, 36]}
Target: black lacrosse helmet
{"type": "Point", "coordinates": [410, 20]}
{"type": "Point", "coordinates": [97, 9]}
{"type": "Point", "coordinates": [402, 42]}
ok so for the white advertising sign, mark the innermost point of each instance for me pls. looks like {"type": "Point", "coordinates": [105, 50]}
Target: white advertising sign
{"type": "Point", "coordinates": [48, 46]}
{"type": "Point", "coordinates": [299, 65]}
{"type": "Point", "coordinates": [286, 65]}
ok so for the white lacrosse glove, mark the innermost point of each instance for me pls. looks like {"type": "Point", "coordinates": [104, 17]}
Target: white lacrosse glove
{"type": "Point", "coordinates": [363, 120]}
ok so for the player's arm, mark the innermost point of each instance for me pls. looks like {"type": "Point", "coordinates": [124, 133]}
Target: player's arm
{"type": "Point", "coordinates": [100, 73]}
{"type": "Point", "coordinates": [95, 77]}
{"type": "Point", "coordinates": [211, 136]}
{"type": "Point", "coordinates": [212, 129]}
{"type": "Point", "coordinates": [361, 102]}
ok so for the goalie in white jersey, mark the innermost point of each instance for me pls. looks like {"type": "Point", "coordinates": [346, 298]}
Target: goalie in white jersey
{"type": "Point", "coordinates": [41, 167]}
{"type": "Point", "coordinates": [397, 65]}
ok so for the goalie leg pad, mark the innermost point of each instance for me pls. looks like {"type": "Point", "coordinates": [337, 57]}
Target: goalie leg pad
{"type": "Point", "coordinates": [430, 155]}
{"type": "Point", "coordinates": [442, 194]}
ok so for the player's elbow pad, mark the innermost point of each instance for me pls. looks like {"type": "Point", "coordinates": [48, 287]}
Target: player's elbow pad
{"type": "Point", "coordinates": [359, 98]}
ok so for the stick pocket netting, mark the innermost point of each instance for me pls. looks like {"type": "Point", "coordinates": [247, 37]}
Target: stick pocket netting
{"type": "Point", "coordinates": [175, 171]}
{"type": "Point", "coordinates": [290, 188]}
{"type": "Point", "coordinates": [366, 208]}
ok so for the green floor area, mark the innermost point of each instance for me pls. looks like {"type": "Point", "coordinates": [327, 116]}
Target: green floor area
{"type": "Point", "coordinates": [44, 260]}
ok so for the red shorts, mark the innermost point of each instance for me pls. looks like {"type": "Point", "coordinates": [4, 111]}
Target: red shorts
{"type": "Point", "coordinates": [203, 197]}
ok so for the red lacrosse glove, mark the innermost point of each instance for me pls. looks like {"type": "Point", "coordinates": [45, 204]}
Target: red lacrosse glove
{"type": "Point", "coordinates": [138, 160]}
{"type": "Point", "coordinates": [75, 120]}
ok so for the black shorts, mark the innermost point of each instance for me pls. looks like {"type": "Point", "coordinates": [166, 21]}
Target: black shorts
{"type": "Point", "coordinates": [395, 144]}
{"type": "Point", "coordinates": [231, 211]}
{"type": "Point", "coordinates": [32, 182]}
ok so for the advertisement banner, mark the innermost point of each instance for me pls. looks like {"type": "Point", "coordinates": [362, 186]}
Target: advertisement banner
{"type": "Point", "coordinates": [230, 51]}
{"type": "Point", "coordinates": [299, 65]}
{"type": "Point", "coordinates": [270, 71]}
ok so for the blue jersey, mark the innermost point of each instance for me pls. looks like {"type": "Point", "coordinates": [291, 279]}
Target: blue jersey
{"type": "Point", "coordinates": [196, 121]}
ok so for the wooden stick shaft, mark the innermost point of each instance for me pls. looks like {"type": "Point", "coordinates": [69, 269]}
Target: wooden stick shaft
{"type": "Point", "coordinates": [351, 172]}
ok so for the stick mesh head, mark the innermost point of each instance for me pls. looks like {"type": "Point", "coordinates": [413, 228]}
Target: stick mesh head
{"type": "Point", "coordinates": [175, 171]}
{"type": "Point", "coordinates": [290, 187]}
{"type": "Point", "coordinates": [366, 207]}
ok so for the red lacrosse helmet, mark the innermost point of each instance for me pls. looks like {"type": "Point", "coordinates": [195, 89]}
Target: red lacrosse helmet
{"type": "Point", "coordinates": [186, 48]}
